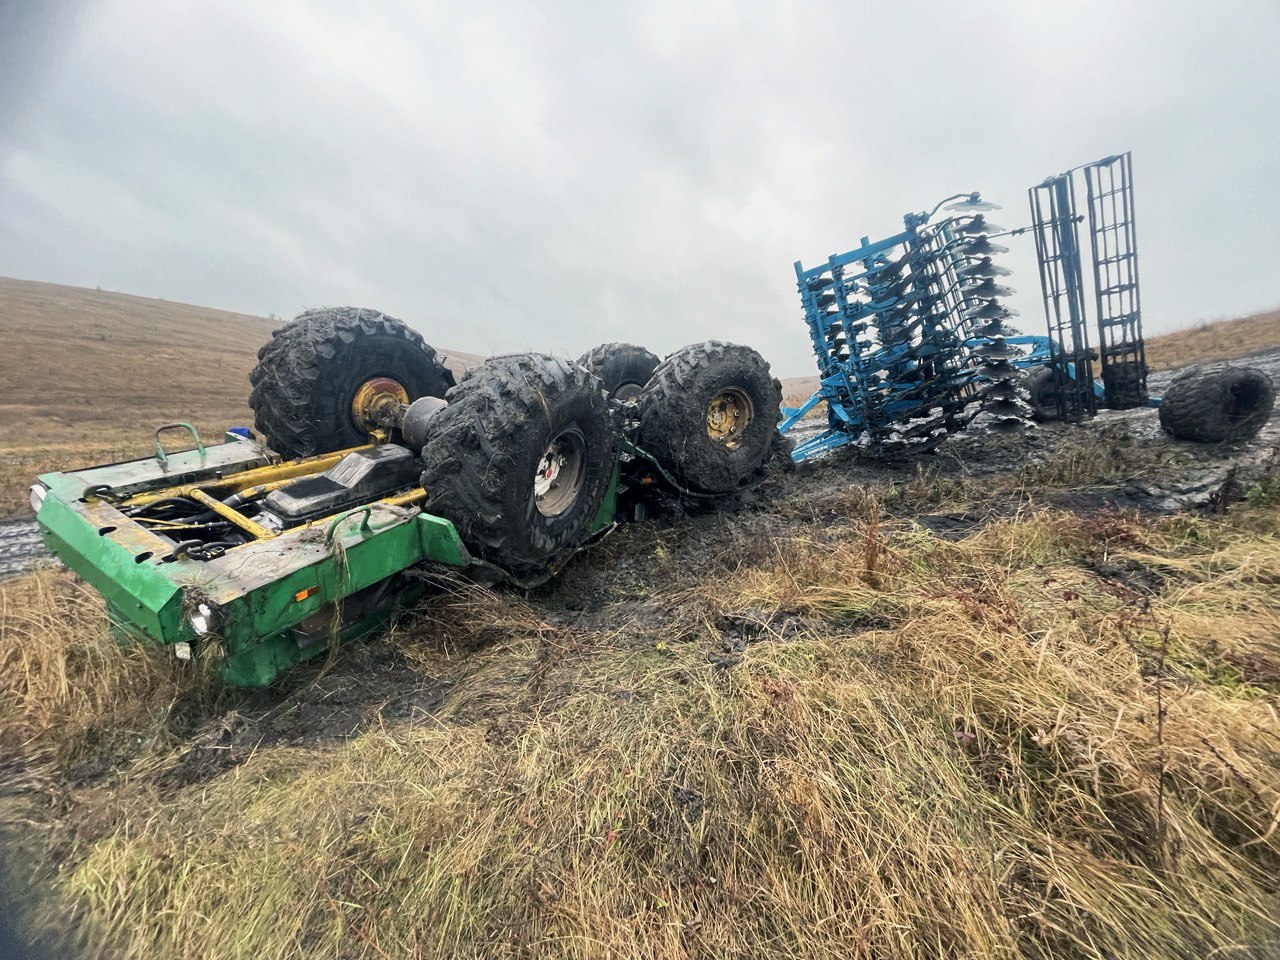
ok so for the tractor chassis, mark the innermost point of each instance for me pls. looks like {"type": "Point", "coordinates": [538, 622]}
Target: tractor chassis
{"type": "Point", "coordinates": [265, 605]}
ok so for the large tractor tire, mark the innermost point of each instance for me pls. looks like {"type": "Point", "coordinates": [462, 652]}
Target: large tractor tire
{"type": "Point", "coordinates": [709, 416]}
{"type": "Point", "coordinates": [322, 372]}
{"type": "Point", "coordinates": [623, 368]}
{"type": "Point", "coordinates": [521, 458]}
{"type": "Point", "coordinates": [1210, 406]}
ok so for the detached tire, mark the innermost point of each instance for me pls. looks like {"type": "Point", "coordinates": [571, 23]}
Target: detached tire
{"type": "Point", "coordinates": [312, 369]}
{"type": "Point", "coordinates": [623, 368]}
{"type": "Point", "coordinates": [521, 458]}
{"type": "Point", "coordinates": [709, 416]}
{"type": "Point", "coordinates": [1211, 406]}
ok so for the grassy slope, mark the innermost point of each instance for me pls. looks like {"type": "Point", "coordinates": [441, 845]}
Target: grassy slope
{"type": "Point", "coordinates": [1215, 340]}
{"type": "Point", "coordinates": [816, 731]}
{"type": "Point", "coordinates": [1054, 737]}
{"type": "Point", "coordinates": [85, 375]}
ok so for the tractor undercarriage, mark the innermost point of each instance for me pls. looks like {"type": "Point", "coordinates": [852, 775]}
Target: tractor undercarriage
{"type": "Point", "coordinates": [253, 555]}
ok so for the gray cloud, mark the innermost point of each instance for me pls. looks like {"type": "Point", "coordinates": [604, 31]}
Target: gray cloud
{"type": "Point", "coordinates": [516, 175]}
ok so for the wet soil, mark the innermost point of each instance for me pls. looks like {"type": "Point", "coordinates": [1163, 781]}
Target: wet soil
{"type": "Point", "coordinates": [20, 547]}
{"type": "Point", "coordinates": [632, 585]}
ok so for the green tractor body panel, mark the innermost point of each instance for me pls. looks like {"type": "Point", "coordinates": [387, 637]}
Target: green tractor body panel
{"type": "Point", "coordinates": [275, 601]}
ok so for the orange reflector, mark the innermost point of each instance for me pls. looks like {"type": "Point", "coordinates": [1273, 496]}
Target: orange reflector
{"type": "Point", "coordinates": [303, 594]}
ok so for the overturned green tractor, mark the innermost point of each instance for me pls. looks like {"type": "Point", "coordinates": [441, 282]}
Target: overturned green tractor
{"type": "Point", "coordinates": [372, 464]}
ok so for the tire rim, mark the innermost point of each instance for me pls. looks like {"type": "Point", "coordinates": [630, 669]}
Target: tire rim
{"type": "Point", "coordinates": [728, 416]}
{"type": "Point", "coordinates": [559, 476]}
{"type": "Point", "coordinates": [374, 399]}
{"type": "Point", "coordinates": [628, 392]}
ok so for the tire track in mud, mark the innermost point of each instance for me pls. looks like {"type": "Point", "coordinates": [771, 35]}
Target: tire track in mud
{"type": "Point", "coordinates": [20, 547]}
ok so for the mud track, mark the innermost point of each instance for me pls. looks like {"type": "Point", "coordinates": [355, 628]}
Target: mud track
{"type": "Point", "coordinates": [20, 547]}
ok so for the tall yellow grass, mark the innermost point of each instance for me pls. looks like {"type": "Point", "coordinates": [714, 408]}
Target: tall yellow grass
{"type": "Point", "coordinates": [1053, 738]}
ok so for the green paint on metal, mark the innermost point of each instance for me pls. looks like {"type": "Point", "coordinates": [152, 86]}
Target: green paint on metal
{"type": "Point", "coordinates": [259, 592]}
{"type": "Point", "coordinates": [254, 589]}
{"type": "Point", "coordinates": [257, 664]}
{"type": "Point", "coordinates": [89, 540]}
{"type": "Point", "coordinates": [609, 505]}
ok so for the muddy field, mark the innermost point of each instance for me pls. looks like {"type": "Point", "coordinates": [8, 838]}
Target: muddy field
{"type": "Point", "coordinates": [688, 605]}
{"type": "Point", "coordinates": [614, 585]}
{"type": "Point", "coordinates": [1189, 476]}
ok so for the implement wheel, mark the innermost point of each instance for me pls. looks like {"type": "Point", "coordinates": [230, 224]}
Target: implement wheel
{"type": "Point", "coordinates": [521, 458]}
{"type": "Point", "coordinates": [709, 416]}
{"type": "Point", "coordinates": [623, 368]}
{"type": "Point", "coordinates": [1210, 406]}
{"type": "Point", "coordinates": [323, 378]}
{"type": "Point", "coordinates": [1042, 395]}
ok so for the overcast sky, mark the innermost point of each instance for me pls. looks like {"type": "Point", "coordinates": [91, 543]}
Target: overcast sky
{"type": "Point", "coordinates": [553, 175]}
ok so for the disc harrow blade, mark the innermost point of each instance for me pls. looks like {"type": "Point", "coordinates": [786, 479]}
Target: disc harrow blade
{"type": "Point", "coordinates": [1007, 407]}
{"type": "Point", "coordinates": [1000, 390]}
{"type": "Point", "coordinates": [980, 247]}
{"type": "Point", "coordinates": [997, 350]}
{"type": "Point", "coordinates": [1009, 425]}
{"type": "Point", "coordinates": [979, 225]}
{"type": "Point", "coordinates": [971, 205]}
{"type": "Point", "coordinates": [991, 310]}
{"type": "Point", "coordinates": [997, 370]}
{"type": "Point", "coordinates": [986, 289]}
{"type": "Point", "coordinates": [983, 267]}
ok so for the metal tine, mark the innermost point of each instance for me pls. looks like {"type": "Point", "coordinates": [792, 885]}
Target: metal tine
{"type": "Point", "coordinates": [923, 429]}
{"type": "Point", "coordinates": [888, 271]}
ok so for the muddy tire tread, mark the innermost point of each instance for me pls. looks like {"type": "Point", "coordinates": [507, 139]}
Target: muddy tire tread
{"type": "Point", "coordinates": [469, 463]}
{"type": "Point", "coordinates": [620, 363]}
{"type": "Point", "coordinates": [291, 364]}
{"type": "Point", "coordinates": [1195, 406]}
{"type": "Point", "coordinates": [668, 408]}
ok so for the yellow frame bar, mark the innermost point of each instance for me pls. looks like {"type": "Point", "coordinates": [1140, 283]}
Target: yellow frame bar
{"type": "Point", "coordinates": [254, 529]}
{"type": "Point", "coordinates": [275, 473]}
{"type": "Point", "coordinates": [263, 480]}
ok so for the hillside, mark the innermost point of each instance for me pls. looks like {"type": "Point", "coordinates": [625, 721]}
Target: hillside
{"type": "Point", "coordinates": [1218, 339]}
{"type": "Point", "coordinates": [1001, 703]}
{"type": "Point", "coordinates": [1018, 700]}
{"type": "Point", "coordinates": [85, 375]}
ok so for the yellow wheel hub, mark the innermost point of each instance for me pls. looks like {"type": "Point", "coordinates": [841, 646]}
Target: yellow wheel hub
{"type": "Point", "coordinates": [728, 415]}
{"type": "Point", "coordinates": [375, 399]}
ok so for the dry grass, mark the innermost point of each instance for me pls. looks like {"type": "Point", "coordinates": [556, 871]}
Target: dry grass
{"type": "Point", "coordinates": [86, 375]}
{"type": "Point", "coordinates": [854, 741]}
{"type": "Point", "coordinates": [67, 687]}
{"type": "Point", "coordinates": [1215, 340]}
{"type": "Point", "coordinates": [828, 735]}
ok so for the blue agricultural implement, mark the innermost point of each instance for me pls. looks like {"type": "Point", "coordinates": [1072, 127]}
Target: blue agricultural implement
{"type": "Point", "coordinates": [911, 337]}
{"type": "Point", "coordinates": [913, 341]}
